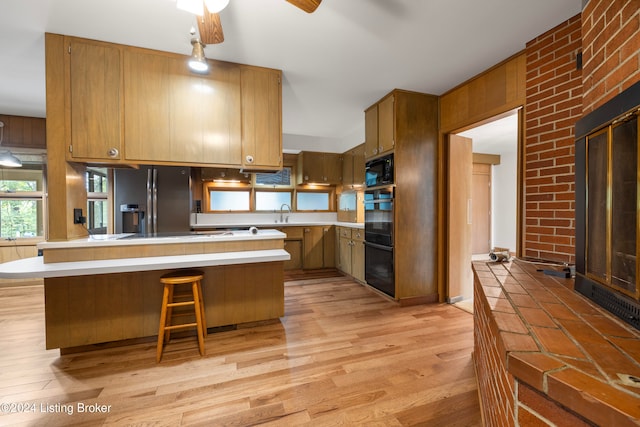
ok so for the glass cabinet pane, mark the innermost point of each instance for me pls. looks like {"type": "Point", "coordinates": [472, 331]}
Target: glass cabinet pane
{"type": "Point", "coordinates": [624, 188]}
{"type": "Point", "coordinates": [597, 206]}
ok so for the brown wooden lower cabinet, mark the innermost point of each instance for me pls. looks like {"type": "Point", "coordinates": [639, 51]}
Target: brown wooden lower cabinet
{"type": "Point", "coordinates": [318, 247]}
{"type": "Point", "coordinates": [350, 257]}
{"type": "Point", "coordinates": [85, 310]}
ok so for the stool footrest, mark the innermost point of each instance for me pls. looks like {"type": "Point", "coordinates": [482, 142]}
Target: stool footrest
{"type": "Point", "coordinates": [181, 326]}
{"type": "Point", "coordinates": [180, 304]}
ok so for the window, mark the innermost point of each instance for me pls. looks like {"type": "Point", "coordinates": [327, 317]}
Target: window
{"type": "Point", "coordinates": [97, 203]}
{"type": "Point", "coordinates": [278, 179]}
{"type": "Point", "coordinates": [313, 201]}
{"type": "Point", "coordinates": [272, 200]}
{"type": "Point", "coordinates": [21, 203]}
{"type": "Point", "coordinates": [229, 200]}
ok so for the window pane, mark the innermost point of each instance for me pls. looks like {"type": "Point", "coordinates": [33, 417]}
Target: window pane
{"type": "Point", "coordinates": [624, 190]}
{"type": "Point", "coordinates": [28, 178]}
{"type": "Point", "coordinates": [313, 201]}
{"type": "Point", "coordinates": [229, 200]}
{"type": "Point", "coordinates": [282, 177]}
{"type": "Point", "coordinates": [272, 200]}
{"type": "Point", "coordinates": [20, 218]}
{"type": "Point", "coordinates": [597, 206]}
{"type": "Point", "coordinates": [97, 217]}
{"type": "Point", "coordinates": [97, 180]}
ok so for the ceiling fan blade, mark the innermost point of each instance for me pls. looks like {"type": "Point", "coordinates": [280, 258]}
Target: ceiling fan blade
{"type": "Point", "coordinates": [210, 28]}
{"type": "Point", "coordinates": [308, 6]}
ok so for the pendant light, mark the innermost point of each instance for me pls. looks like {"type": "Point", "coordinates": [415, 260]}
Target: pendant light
{"type": "Point", "coordinates": [197, 61]}
{"type": "Point", "coordinates": [6, 158]}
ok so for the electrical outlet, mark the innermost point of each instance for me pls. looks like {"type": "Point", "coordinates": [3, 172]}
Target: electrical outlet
{"type": "Point", "coordinates": [77, 216]}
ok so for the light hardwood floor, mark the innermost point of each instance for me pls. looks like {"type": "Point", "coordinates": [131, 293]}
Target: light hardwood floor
{"type": "Point", "coordinates": [342, 355]}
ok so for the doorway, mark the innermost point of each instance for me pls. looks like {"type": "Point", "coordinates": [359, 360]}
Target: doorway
{"type": "Point", "coordinates": [483, 197]}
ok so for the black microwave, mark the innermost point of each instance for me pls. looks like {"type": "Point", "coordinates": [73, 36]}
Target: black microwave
{"type": "Point", "coordinates": [379, 171]}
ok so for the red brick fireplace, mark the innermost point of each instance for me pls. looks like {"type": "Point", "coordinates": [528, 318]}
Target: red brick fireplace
{"type": "Point", "coordinates": [546, 355]}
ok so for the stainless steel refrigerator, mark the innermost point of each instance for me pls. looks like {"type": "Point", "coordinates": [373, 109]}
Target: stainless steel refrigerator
{"type": "Point", "coordinates": [152, 199]}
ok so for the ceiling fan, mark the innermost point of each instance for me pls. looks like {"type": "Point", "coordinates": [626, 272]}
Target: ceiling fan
{"type": "Point", "coordinates": [209, 24]}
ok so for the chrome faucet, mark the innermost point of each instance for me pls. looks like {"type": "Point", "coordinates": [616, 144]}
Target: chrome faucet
{"type": "Point", "coordinates": [282, 219]}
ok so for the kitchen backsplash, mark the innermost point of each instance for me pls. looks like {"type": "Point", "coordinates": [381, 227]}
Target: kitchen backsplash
{"type": "Point", "coordinates": [260, 219]}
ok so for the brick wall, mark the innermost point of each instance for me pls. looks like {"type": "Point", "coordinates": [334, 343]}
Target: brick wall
{"type": "Point", "coordinates": [553, 105]}
{"type": "Point", "coordinates": [496, 384]}
{"type": "Point", "coordinates": [611, 49]}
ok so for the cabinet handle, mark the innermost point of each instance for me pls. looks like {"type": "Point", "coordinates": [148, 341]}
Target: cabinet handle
{"type": "Point", "coordinates": [306, 230]}
{"type": "Point", "coordinates": [375, 151]}
{"type": "Point", "coordinates": [113, 152]}
{"type": "Point", "coordinates": [249, 159]}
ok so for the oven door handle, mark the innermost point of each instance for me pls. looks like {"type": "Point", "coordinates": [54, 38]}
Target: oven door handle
{"type": "Point", "coordinates": [381, 247]}
{"type": "Point", "coordinates": [378, 201]}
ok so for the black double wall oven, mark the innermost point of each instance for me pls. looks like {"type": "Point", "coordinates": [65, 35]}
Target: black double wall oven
{"type": "Point", "coordinates": [378, 225]}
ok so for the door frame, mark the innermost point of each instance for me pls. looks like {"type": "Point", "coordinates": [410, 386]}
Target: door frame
{"type": "Point", "coordinates": [443, 196]}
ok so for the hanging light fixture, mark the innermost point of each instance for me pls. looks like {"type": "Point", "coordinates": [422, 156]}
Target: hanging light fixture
{"type": "Point", "coordinates": [197, 6]}
{"type": "Point", "coordinates": [197, 61]}
{"type": "Point", "coordinates": [6, 158]}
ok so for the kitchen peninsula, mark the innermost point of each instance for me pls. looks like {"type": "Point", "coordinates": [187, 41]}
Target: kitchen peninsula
{"type": "Point", "coordinates": [106, 288]}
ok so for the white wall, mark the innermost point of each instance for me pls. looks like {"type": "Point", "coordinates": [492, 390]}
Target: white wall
{"type": "Point", "coordinates": [504, 197]}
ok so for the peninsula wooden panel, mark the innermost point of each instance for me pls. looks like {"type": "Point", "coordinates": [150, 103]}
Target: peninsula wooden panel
{"type": "Point", "coordinates": [86, 310]}
{"type": "Point", "coordinates": [65, 181]}
{"type": "Point", "coordinates": [499, 89]}
{"type": "Point", "coordinates": [152, 250]}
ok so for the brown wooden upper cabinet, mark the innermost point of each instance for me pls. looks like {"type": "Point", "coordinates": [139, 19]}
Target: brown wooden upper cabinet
{"type": "Point", "coordinates": [24, 132]}
{"type": "Point", "coordinates": [174, 115]}
{"type": "Point", "coordinates": [379, 120]}
{"type": "Point", "coordinates": [353, 173]}
{"type": "Point", "coordinates": [319, 168]}
{"type": "Point", "coordinates": [94, 101]}
{"type": "Point", "coordinates": [132, 105]}
{"type": "Point", "coordinates": [261, 90]}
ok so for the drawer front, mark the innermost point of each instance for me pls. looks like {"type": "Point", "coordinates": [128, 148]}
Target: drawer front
{"type": "Point", "coordinates": [357, 234]}
{"type": "Point", "coordinates": [293, 233]}
{"type": "Point", "coordinates": [345, 232]}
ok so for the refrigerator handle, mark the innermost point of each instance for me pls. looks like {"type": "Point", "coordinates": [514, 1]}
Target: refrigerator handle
{"type": "Point", "coordinates": [149, 217]}
{"type": "Point", "coordinates": [155, 200]}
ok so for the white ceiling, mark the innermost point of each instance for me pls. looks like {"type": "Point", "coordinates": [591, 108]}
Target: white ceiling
{"type": "Point", "coordinates": [336, 62]}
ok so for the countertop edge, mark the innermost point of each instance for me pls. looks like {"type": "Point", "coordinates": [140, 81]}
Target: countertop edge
{"type": "Point", "coordinates": [34, 267]}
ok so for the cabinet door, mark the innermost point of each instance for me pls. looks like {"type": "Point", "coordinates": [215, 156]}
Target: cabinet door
{"type": "Point", "coordinates": [371, 132]}
{"type": "Point", "coordinates": [313, 248]}
{"type": "Point", "coordinates": [357, 260]}
{"type": "Point", "coordinates": [329, 247]}
{"type": "Point", "coordinates": [347, 170]}
{"type": "Point", "coordinates": [221, 114]}
{"type": "Point", "coordinates": [386, 125]}
{"type": "Point", "coordinates": [332, 164]}
{"type": "Point", "coordinates": [95, 94]}
{"type": "Point", "coordinates": [358, 166]}
{"type": "Point", "coordinates": [344, 247]}
{"type": "Point", "coordinates": [294, 247]}
{"type": "Point", "coordinates": [146, 106]}
{"type": "Point", "coordinates": [261, 104]}
{"type": "Point", "coordinates": [310, 167]}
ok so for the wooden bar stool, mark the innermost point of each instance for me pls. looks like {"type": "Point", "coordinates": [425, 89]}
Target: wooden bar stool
{"type": "Point", "coordinates": [171, 300]}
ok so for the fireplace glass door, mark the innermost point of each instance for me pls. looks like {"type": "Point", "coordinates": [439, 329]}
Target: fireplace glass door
{"type": "Point", "coordinates": [612, 206]}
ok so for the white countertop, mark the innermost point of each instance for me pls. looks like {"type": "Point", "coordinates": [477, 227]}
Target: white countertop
{"type": "Point", "coordinates": [35, 268]}
{"type": "Point", "coordinates": [278, 224]}
{"type": "Point", "coordinates": [126, 239]}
